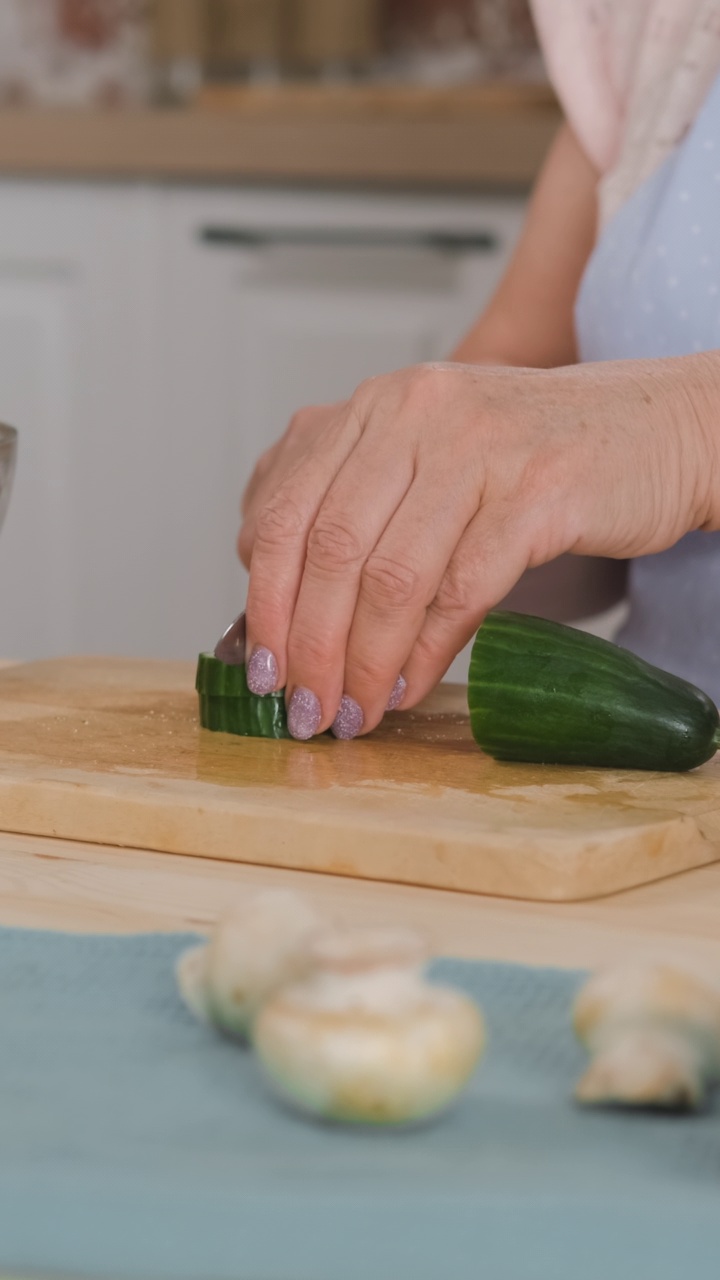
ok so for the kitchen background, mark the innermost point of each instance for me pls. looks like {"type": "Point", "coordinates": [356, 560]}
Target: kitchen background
{"type": "Point", "coordinates": [211, 213]}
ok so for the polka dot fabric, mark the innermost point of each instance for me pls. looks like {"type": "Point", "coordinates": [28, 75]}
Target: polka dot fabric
{"type": "Point", "coordinates": [652, 288]}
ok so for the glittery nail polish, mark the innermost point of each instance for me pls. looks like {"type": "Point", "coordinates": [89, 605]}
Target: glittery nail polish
{"type": "Point", "coordinates": [397, 694]}
{"type": "Point", "coordinates": [262, 671]}
{"type": "Point", "coordinates": [349, 719]}
{"type": "Point", "coordinates": [304, 714]}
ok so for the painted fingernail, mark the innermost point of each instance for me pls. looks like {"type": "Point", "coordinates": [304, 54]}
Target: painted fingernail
{"type": "Point", "coordinates": [304, 714]}
{"type": "Point", "coordinates": [349, 719]}
{"type": "Point", "coordinates": [397, 694]}
{"type": "Point", "coordinates": [262, 671]}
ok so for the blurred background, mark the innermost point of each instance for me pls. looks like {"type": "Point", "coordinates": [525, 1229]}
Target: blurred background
{"type": "Point", "coordinates": [211, 213]}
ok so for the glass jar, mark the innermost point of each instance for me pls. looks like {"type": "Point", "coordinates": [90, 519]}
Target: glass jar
{"type": "Point", "coordinates": [454, 40]}
{"type": "Point", "coordinates": [332, 37]}
{"type": "Point", "coordinates": [246, 38]}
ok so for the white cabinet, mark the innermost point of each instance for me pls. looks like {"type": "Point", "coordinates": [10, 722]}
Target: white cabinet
{"type": "Point", "coordinates": [154, 340]}
{"type": "Point", "coordinates": [74, 380]}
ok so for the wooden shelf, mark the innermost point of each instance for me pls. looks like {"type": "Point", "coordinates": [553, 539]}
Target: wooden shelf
{"type": "Point", "coordinates": [467, 138]}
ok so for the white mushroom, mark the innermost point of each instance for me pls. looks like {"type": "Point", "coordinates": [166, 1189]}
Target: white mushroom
{"type": "Point", "coordinates": [653, 1033]}
{"type": "Point", "coordinates": [365, 1038]}
{"type": "Point", "coordinates": [261, 945]}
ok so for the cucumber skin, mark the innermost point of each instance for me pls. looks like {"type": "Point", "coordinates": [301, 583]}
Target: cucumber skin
{"type": "Point", "coordinates": [541, 692]}
{"type": "Point", "coordinates": [228, 706]}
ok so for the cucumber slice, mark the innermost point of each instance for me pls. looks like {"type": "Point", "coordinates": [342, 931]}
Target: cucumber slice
{"type": "Point", "coordinates": [228, 706]}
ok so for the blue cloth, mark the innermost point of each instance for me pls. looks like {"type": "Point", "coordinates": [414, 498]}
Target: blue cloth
{"type": "Point", "coordinates": [652, 288]}
{"type": "Point", "coordinates": [135, 1143]}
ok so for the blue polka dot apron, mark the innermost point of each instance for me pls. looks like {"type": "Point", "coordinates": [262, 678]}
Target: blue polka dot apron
{"type": "Point", "coordinates": [652, 288]}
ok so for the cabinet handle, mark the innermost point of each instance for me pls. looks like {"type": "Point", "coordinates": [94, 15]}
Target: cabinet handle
{"type": "Point", "coordinates": [450, 242]}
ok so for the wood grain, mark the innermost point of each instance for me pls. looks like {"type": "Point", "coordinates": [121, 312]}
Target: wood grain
{"type": "Point", "coordinates": [110, 751]}
{"type": "Point", "coordinates": [417, 139]}
{"type": "Point", "coordinates": [75, 887]}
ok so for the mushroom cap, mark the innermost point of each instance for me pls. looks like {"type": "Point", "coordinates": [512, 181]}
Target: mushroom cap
{"type": "Point", "coordinates": [368, 1066]}
{"type": "Point", "coordinates": [356, 951]}
{"type": "Point", "coordinates": [647, 993]}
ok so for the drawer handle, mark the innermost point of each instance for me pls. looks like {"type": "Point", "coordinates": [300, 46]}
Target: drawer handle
{"type": "Point", "coordinates": [450, 242]}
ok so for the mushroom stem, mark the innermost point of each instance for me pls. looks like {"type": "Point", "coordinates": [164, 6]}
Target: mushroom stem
{"type": "Point", "coordinates": [653, 1035]}
{"type": "Point", "coordinates": [646, 1066]}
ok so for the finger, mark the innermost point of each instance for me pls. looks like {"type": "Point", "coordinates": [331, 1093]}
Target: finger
{"type": "Point", "coordinates": [490, 559]}
{"type": "Point", "coordinates": [399, 582]}
{"type": "Point", "coordinates": [263, 466]}
{"type": "Point", "coordinates": [279, 547]}
{"type": "Point", "coordinates": [276, 464]}
{"type": "Point", "coordinates": [362, 500]}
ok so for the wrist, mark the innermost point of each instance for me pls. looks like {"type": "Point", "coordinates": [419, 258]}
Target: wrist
{"type": "Point", "coordinates": [698, 411]}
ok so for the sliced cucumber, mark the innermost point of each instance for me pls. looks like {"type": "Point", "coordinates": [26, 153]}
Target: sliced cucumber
{"type": "Point", "coordinates": [228, 706]}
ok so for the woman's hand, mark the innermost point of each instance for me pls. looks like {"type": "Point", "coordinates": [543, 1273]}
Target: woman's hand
{"type": "Point", "coordinates": [382, 530]}
{"type": "Point", "coordinates": [276, 463]}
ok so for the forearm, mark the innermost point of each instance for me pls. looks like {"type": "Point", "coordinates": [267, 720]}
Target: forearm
{"type": "Point", "coordinates": [485, 343]}
{"type": "Point", "coordinates": [690, 389]}
{"type": "Point", "coordinates": [529, 321]}
{"type": "Point", "coordinates": [649, 431]}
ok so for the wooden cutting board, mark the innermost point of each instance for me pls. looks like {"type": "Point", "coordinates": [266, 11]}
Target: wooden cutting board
{"type": "Point", "coordinates": [110, 751]}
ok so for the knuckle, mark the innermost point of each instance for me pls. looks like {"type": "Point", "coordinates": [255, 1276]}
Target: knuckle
{"type": "Point", "coordinates": [310, 650]}
{"type": "Point", "coordinates": [392, 583]}
{"type": "Point", "coordinates": [279, 523]}
{"type": "Point", "coordinates": [368, 672]}
{"type": "Point", "coordinates": [364, 392]}
{"type": "Point", "coordinates": [456, 597]}
{"type": "Point", "coordinates": [423, 386]}
{"type": "Point", "coordinates": [299, 421]}
{"type": "Point", "coordinates": [334, 544]}
{"type": "Point", "coordinates": [430, 649]}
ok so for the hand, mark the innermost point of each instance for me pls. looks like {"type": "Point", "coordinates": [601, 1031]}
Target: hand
{"type": "Point", "coordinates": [382, 534]}
{"type": "Point", "coordinates": [276, 464]}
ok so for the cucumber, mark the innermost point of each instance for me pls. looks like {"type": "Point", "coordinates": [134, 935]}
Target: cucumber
{"type": "Point", "coordinates": [542, 692]}
{"type": "Point", "coordinates": [228, 706]}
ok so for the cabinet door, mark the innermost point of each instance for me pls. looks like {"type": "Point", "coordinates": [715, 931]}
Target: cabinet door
{"type": "Point", "coordinates": [275, 302]}
{"type": "Point", "coordinates": [74, 364]}
{"type": "Point", "coordinates": [44, 238]}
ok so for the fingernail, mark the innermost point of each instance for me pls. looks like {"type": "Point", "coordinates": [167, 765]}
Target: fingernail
{"type": "Point", "coordinates": [349, 719]}
{"type": "Point", "coordinates": [304, 714]}
{"type": "Point", "coordinates": [397, 694]}
{"type": "Point", "coordinates": [262, 671]}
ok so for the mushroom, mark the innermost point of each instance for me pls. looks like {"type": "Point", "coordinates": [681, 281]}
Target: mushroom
{"type": "Point", "coordinates": [653, 1033]}
{"type": "Point", "coordinates": [365, 1038]}
{"type": "Point", "coordinates": [262, 944]}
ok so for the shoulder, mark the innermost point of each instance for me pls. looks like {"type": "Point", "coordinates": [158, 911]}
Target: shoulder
{"type": "Point", "coordinates": [592, 50]}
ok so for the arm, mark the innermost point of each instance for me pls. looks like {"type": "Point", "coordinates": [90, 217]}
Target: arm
{"type": "Point", "coordinates": [529, 321]}
{"type": "Point", "coordinates": [435, 488]}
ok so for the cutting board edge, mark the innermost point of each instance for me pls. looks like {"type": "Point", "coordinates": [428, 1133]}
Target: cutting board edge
{"type": "Point", "coordinates": [118, 821]}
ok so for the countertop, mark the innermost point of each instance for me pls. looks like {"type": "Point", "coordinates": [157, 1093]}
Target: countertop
{"type": "Point", "coordinates": [481, 136]}
{"type": "Point", "coordinates": [56, 884]}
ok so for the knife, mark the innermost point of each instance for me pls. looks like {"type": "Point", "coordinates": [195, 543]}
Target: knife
{"type": "Point", "coordinates": [230, 648]}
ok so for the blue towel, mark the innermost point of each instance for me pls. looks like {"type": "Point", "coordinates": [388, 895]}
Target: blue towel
{"type": "Point", "coordinates": [136, 1143]}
